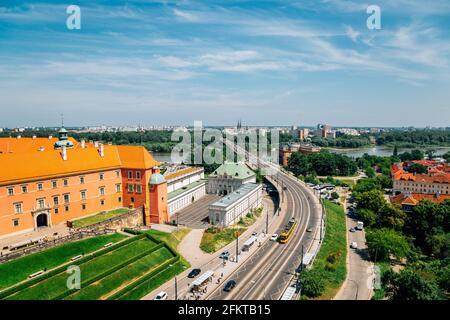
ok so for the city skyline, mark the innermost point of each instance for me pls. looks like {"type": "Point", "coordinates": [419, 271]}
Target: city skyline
{"type": "Point", "coordinates": [268, 63]}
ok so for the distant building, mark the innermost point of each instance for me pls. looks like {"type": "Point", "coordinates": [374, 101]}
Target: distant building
{"type": "Point", "coordinates": [287, 149]}
{"type": "Point", "coordinates": [229, 177]}
{"type": "Point", "coordinates": [436, 181]}
{"type": "Point", "coordinates": [231, 208]}
{"type": "Point", "coordinates": [408, 200]}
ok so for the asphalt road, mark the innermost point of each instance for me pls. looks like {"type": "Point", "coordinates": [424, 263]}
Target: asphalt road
{"type": "Point", "coordinates": [268, 272]}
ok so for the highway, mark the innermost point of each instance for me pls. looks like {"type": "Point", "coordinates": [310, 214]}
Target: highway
{"type": "Point", "coordinates": [269, 271]}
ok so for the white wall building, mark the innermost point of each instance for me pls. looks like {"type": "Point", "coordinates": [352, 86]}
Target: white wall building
{"type": "Point", "coordinates": [229, 177]}
{"type": "Point", "coordinates": [184, 187]}
{"type": "Point", "coordinates": [231, 208]}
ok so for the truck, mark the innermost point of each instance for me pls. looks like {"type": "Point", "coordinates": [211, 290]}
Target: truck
{"type": "Point", "coordinates": [359, 225]}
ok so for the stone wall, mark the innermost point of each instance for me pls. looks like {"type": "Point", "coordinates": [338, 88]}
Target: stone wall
{"type": "Point", "coordinates": [134, 218]}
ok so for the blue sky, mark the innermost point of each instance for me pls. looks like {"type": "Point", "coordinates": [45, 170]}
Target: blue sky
{"type": "Point", "coordinates": [265, 62]}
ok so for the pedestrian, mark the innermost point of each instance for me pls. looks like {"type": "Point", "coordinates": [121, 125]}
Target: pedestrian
{"type": "Point", "coordinates": [221, 275]}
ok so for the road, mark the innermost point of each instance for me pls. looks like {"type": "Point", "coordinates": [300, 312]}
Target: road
{"type": "Point", "coordinates": [358, 284]}
{"type": "Point", "coordinates": [269, 271]}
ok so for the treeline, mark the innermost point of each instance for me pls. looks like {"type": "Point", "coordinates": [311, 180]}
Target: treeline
{"type": "Point", "coordinates": [345, 141]}
{"type": "Point", "coordinates": [322, 163]}
{"type": "Point", "coordinates": [414, 138]}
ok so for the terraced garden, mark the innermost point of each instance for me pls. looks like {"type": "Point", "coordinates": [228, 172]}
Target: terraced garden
{"type": "Point", "coordinates": [128, 269]}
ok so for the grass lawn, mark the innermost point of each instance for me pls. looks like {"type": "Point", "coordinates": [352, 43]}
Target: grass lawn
{"type": "Point", "coordinates": [84, 222]}
{"type": "Point", "coordinates": [19, 269]}
{"type": "Point", "coordinates": [56, 285]}
{"type": "Point", "coordinates": [215, 239]}
{"type": "Point", "coordinates": [153, 283]}
{"type": "Point", "coordinates": [172, 239]}
{"type": "Point", "coordinates": [122, 277]}
{"type": "Point", "coordinates": [335, 245]}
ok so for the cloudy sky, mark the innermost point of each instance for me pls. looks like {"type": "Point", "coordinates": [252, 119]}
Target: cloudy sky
{"type": "Point", "coordinates": [265, 62]}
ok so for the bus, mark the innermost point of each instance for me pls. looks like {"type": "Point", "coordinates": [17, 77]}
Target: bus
{"type": "Point", "coordinates": [288, 231]}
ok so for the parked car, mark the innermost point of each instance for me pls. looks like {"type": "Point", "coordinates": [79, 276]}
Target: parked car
{"type": "Point", "coordinates": [195, 272]}
{"type": "Point", "coordinates": [352, 230]}
{"type": "Point", "coordinates": [224, 255]}
{"type": "Point", "coordinates": [274, 237]}
{"type": "Point", "coordinates": [161, 296]}
{"type": "Point", "coordinates": [255, 234]}
{"type": "Point", "coordinates": [229, 286]}
{"type": "Point", "coordinates": [354, 245]}
{"type": "Point", "coordinates": [309, 230]}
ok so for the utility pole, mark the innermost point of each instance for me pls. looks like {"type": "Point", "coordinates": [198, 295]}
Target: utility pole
{"type": "Point", "coordinates": [267, 222]}
{"type": "Point", "coordinates": [237, 247]}
{"type": "Point", "coordinates": [301, 263]}
{"type": "Point", "coordinates": [176, 289]}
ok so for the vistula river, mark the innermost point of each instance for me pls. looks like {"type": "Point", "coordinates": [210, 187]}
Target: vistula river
{"type": "Point", "coordinates": [354, 153]}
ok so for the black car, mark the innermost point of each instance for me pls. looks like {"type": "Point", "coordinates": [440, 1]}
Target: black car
{"type": "Point", "coordinates": [194, 273]}
{"type": "Point", "coordinates": [229, 286]}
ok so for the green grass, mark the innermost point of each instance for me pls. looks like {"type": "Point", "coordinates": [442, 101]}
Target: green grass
{"type": "Point", "coordinates": [18, 270]}
{"type": "Point", "coordinates": [84, 222]}
{"type": "Point", "coordinates": [214, 239]}
{"type": "Point", "coordinates": [109, 284]}
{"type": "Point", "coordinates": [56, 285]}
{"type": "Point", "coordinates": [334, 243]}
{"type": "Point", "coordinates": [153, 283]}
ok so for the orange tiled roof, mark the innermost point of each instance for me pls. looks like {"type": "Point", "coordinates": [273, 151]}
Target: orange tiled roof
{"type": "Point", "coordinates": [176, 174]}
{"type": "Point", "coordinates": [415, 198]}
{"type": "Point", "coordinates": [136, 157]}
{"type": "Point", "coordinates": [21, 145]}
{"type": "Point", "coordinates": [438, 177]}
{"type": "Point", "coordinates": [39, 165]}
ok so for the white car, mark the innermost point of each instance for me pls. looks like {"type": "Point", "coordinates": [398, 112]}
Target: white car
{"type": "Point", "coordinates": [274, 237]}
{"type": "Point", "coordinates": [354, 245]}
{"type": "Point", "coordinates": [161, 296]}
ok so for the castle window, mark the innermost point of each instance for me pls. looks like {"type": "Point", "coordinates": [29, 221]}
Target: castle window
{"type": "Point", "coordinates": [82, 179]}
{"type": "Point", "coordinates": [10, 191]}
{"type": "Point", "coordinates": [24, 189]}
{"type": "Point", "coordinates": [66, 208]}
{"type": "Point", "coordinates": [102, 202]}
{"type": "Point", "coordinates": [138, 188]}
{"type": "Point", "coordinates": [83, 194]}
{"type": "Point", "coordinates": [66, 198]}
{"type": "Point", "coordinates": [130, 175]}
{"type": "Point", "coordinates": [40, 186]}
{"type": "Point", "coordinates": [54, 184]}
{"type": "Point", "coordinates": [102, 191]}
{"type": "Point", "coordinates": [102, 176]}
{"type": "Point", "coordinates": [83, 206]}
{"type": "Point", "coordinates": [16, 222]}
{"type": "Point", "coordinates": [18, 207]}
{"type": "Point", "coordinates": [138, 175]}
{"type": "Point", "coordinates": [66, 182]}
{"type": "Point", "coordinates": [40, 203]}
{"type": "Point", "coordinates": [118, 173]}
{"type": "Point", "coordinates": [55, 200]}
{"type": "Point", "coordinates": [130, 188]}
{"type": "Point", "coordinates": [118, 187]}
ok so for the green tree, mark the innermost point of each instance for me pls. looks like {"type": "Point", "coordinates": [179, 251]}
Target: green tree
{"type": "Point", "coordinates": [417, 168]}
{"type": "Point", "coordinates": [409, 285]}
{"type": "Point", "coordinates": [370, 172]}
{"type": "Point", "coordinates": [416, 154]}
{"type": "Point", "coordinates": [372, 200]}
{"type": "Point", "coordinates": [298, 164]}
{"type": "Point", "coordinates": [391, 217]}
{"type": "Point", "coordinates": [382, 243]}
{"type": "Point", "coordinates": [367, 216]}
{"type": "Point", "coordinates": [334, 195]}
{"type": "Point", "coordinates": [395, 153]}
{"type": "Point", "coordinates": [446, 156]}
{"type": "Point", "coordinates": [312, 283]}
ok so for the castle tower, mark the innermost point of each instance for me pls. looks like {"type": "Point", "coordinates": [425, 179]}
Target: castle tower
{"type": "Point", "coordinates": [158, 212]}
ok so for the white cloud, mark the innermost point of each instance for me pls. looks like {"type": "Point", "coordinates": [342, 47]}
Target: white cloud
{"type": "Point", "coordinates": [352, 34]}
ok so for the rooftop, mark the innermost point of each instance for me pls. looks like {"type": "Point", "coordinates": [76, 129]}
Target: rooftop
{"type": "Point", "coordinates": [182, 190]}
{"type": "Point", "coordinates": [236, 195]}
{"type": "Point", "coordinates": [237, 170]}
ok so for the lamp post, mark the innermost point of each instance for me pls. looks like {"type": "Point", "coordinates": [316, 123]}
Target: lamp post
{"type": "Point", "coordinates": [237, 246]}
{"type": "Point", "coordinates": [176, 289]}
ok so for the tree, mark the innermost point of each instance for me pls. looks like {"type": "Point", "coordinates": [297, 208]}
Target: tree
{"type": "Point", "coordinates": [312, 282]}
{"type": "Point", "coordinates": [395, 153]}
{"type": "Point", "coordinates": [391, 217]}
{"type": "Point", "coordinates": [298, 163]}
{"type": "Point", "coordinates": [382, 243]}
{"type": "Point", "coordinates": [446, 156]}
{"type": "Point", "coordinates": [370, 172]}
{"type": "Point", "coordinates": [366, 185]}
{"type": "Point", "coordinates": [367, 216]}
{"type": "Point", "coordinates": [334, 195]}
{"type": "Point", "coordinates": [409, 285]}
{"type": "Point", "coordinates": [418, 168]}
{"type": "Point", "coordinates": [416, 154]}
{"type": "Point", "coordinates": [384, 181]}
{"type": "Point", "coordinates": [372, 200]}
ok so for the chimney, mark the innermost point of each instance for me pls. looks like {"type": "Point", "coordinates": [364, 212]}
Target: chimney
{"type": "Point", "coordinates": [50, 137]}
{"type": "Point", "coordinates": [83, 144]}
{"type": "Point", "coordinates": [102, 150]}
{"type": "Point", "coordinates": [34, 137]}
{"type": "Point", "coordinates": [18, 137]}
{"type": "Point", "coordinates": [96, 144]}
{"type": "Point", "coordinates": [64, 153]}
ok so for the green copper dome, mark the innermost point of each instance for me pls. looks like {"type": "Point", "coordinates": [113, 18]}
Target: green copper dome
{"type": "Point", "coordinates": [156, 178]}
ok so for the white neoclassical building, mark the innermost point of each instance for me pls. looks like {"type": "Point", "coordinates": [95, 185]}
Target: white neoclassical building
{"type": "Point", "coordinates": [229, 177]}
{"type": "Point", "coordinates": [232, 207]}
